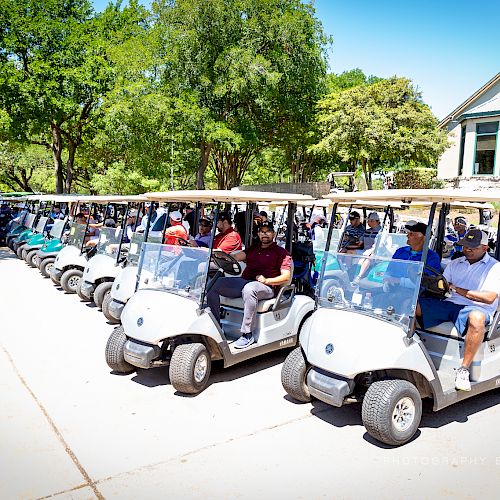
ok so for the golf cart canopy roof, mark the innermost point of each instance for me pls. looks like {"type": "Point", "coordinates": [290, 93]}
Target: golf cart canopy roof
{"type": "Point", "coordinates": [58, 198]}
{"type": "Point", "coordinates": [326, 203]}
{"type": "Point", "coordinates": [116, 198]}
{"type": "Point", "coordinates": [420, 195]}
{"type": "Point", "coordinates": [226, 196]}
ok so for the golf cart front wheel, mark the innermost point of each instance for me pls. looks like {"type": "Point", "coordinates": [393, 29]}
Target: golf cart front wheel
{"type": "Point", "coordinates": [294, 375]}
{"type": "Point", "coordinates": [115, 352]}
{"type": "Point", "coordinates": [190, 368]}
{"type": "Point", "coordinates": [105, 309]}
{"type": "Point", "coordinates": [46, 266]}
{"type": "Point", "coordinates": [70, 280]}
{"type": "Point", "coordinates": [82, 297]}
{"type": "Point", "coordinates": [19, 252]}
{"type": "Point", "coordinates": [391, 411]}
{"type": "Point", "coordinates": [101, 291]}
{"type": "Point", "coordinates": [31, 258]}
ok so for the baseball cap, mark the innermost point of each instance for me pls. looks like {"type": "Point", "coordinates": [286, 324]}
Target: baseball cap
{"type": "Point", "coordinates": [176, 215]}
{"type": "Point", "coordinates": [416, 227]}
{"type": "Point", "coordinates": [474, 238]}
{"type": "Point", "coordinates": [206, 220]}
{"type": "Point", "coordinates": [110, 223]}
{"type": "Point", "coordinates": [225, 216]}
{"type": "Point", "coordinates": [354, 215]}
{"type": "Point", "coordinates": [373, 216]}
{"type": "Point", "coordinates": [267, 225]}
{"type": "Point", "coordinates": [132, 213]}
{"type": "Point", "coordinates": [462, 221]}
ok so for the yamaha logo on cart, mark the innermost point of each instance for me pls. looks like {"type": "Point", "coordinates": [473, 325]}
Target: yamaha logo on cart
{"type": "Point", "coordinates": [140, 321]}
{"type": "Point", "coordinates": [329, 348]}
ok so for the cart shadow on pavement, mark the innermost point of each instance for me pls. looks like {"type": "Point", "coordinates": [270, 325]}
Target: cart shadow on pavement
{"type": "Point", "coordinates": [159, 376]}
{"type": "Point", "coordinates": [6, 254]}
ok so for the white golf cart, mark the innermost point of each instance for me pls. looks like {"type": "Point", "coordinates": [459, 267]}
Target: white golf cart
{"type": "Point", "coordinates": [167, 321]}
{"type": "Point", "coordinates": [375, 354]}
{"type": "Point", "coordinates": [71, 260]}
{"type": "Point", "coordinates": [101, 270]}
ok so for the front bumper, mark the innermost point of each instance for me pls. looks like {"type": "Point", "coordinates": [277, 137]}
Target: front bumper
{"type": "Point", "coordinates": [328, 388]}
{"type": "Point", "coordinates": [87, 289]}
{"type": "Point", "coordinates": [56, 274]}
{"type": "Point", "coordinates": [140, 355]}
{"type": "Point", "coordinates": [115, 309]}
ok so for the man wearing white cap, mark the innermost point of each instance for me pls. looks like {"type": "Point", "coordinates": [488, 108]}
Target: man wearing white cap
{"type": "Point", "coordinates": [176, 229]}
{"type": "Point", "coordinates": [475, 284]}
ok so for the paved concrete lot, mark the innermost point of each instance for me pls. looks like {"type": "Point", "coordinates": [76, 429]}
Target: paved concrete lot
{"type": "Point", "coordinates": [70, 429]}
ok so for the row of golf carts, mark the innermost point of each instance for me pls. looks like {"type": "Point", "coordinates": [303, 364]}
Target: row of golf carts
{"type": "Point", "coordinates": [354, 341]}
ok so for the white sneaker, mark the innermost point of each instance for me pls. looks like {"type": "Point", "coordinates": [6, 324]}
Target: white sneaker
{"type": "Point", "coordinates": [462, 382]}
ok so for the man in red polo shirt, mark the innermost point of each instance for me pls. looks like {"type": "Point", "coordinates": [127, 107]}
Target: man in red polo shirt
{"type": "Point", "coordinates": [268, 266]}
{"type": "Point", "coordinates": [227, 239]}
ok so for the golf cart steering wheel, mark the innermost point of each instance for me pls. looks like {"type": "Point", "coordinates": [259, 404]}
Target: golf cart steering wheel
{"type": "Point", "coordinates": [226, 262]}
{"type": "Point", "coordinates": [435, 283]}
{"type": "Point", "coordinates": [183, 242]}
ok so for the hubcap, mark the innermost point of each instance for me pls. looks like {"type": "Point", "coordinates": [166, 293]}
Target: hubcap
{"type": "Point", "coordinates": [73, 282]}
{"type": "Point", "coordinates": [49, 267]}
{"type": "Point", "coordinates": [200, 368]}
{"type": "Point", "coordinates": [403, 414]}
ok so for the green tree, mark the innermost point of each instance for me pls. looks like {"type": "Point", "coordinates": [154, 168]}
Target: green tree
{"type": "Point", "coordinates": [385, 122]}
{"type": "Point", "coordinates": [254, 68]}
{"type": "Point", "coordinates": [55, 69]}
{"type": "Point", "coordinates": [349, 79]}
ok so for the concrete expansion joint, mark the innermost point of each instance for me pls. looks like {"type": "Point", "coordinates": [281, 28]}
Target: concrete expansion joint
{"type": "Point", "coordinates": [88, 481]}
{"type": "Point", "coordinates": [209, 447]}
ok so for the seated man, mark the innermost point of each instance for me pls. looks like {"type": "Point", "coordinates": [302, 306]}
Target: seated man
{"type": "Point", "coordinates": [176, 229]}
{"type": "Point", "coordinates": [227, 239]}
{"type": "Point", "coordinates": [354, 232]}
{"type": "Point", "coordinates": [204, 236]}
{"type": "Point", "coordinates": [268, 266]}
{"type": "Point", "coordinates": [460, 227]}
{"type": "Point", "coordinates": [475, 283]}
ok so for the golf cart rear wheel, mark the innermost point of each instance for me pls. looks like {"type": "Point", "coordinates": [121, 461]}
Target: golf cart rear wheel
{"type": "Point", "coordinates": [30, 258]}
{"type": "Point", "coordinates": [294, 375]}
{"type": "Point", "coordinates": [105, 309]}
{"type": "Point", "coordinates": [70, 280]}
{"type": "Point", "coordinates": [82, 297]}
{"type": "Point", "coordinates": [391, 411]}
{"type": "Point", "coordinates": [46, 265]}
{"type": "Point", "coordinates": [190, 368]}
{"type": "Point", "coordinates": [114, 352]}
{"type": "Point", "coordinates": [101, 291]}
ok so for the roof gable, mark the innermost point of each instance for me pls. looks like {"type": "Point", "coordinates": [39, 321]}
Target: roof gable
{"type": "Point", "coordinates": [484, 101]}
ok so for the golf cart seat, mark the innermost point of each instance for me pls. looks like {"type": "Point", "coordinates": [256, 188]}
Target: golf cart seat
{"type": "Point", "coordinates": [285, 294]}
{"type": "Point", "coordinates": [447, 328]}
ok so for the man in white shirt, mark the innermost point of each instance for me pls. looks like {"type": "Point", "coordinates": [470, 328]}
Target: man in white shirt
{"type": "Point", "coordinates": [475, 283]}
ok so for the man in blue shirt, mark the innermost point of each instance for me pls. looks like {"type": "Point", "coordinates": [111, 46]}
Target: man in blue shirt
{"type": "Point", "coordinates": [416, 238]}
{"type": "Point", "coordinates": [353, 234]}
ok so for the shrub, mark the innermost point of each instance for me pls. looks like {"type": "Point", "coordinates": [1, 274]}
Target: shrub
{"type": "Point", "coordinates": [417, 178]}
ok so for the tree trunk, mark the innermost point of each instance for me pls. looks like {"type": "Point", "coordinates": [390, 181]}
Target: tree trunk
{"type": "Point", "coordinates": [70, 165]}
{"type": "Point", "coordinates": [367, 173]}
{"type": "Point", "coordinates": [204, 156]}
{"type": "Point", "coordinates": [56, 148]}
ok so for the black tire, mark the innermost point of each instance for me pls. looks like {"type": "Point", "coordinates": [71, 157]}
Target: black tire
{"type": "Point", "coordinates": [101, 291]}
{"type": "Point", "coordinates": [19, 252]}
{"type": "Point", "coordinates": [114, 352]}
{"type": "Point", "coordinates": [380, 405]}
{"type": "Point", "coordinates": [24, 253]}
{"type": "Point", "coordinates": [105, 309]}
{"type": "Point", "coordinates": [70, 280]}
{"type": "Point", "coordinates": [82, 297]}
{"type": "Point", "coordinates": [46, 265]}
{"type": "Point", "coordinates": [294, 376]}
{"type": "Point", "coordinates": [183, 364]}
{"type": "Point", "coordinates": [31, 255]}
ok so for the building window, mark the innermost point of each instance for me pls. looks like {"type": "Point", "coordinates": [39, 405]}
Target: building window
{"type": "Point", "coordinates": [462, 147]}
{"type": "Point", "coordinates": [486, 144]}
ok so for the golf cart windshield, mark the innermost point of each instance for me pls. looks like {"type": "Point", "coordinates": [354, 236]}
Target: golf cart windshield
{"type": "Point", "coordinates": [109, 240]}
{"type": "Point", "coordinates": [136, 243]}
{"type": "Point", "coordinates": [57, 229]}
{"type": "Point", "coordinates": [40, 226]}
{"type": "Point", "coordinates": [174, 268]}
{"type": "Point", "coordinates": [30, 219]}
{"type": "Point", "coordinates": [376, 286]}
{"type": "Point", "coordinates": [76, 234]}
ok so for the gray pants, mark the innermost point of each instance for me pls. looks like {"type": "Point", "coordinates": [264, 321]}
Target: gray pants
{"type": "Point", "coordinates": [251, 291]}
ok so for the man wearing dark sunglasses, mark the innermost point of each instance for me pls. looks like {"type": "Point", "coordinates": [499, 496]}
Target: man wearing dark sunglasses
{"type": "Point", "coordinates": [203, 238]}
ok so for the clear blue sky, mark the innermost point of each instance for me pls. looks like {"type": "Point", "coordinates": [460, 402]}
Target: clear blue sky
{"type": "Point", "coordinates": [449, 49]}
